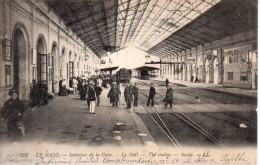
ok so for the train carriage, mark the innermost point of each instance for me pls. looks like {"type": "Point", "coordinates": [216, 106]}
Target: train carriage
{"type": "Point", "coordinates": [124, 75]}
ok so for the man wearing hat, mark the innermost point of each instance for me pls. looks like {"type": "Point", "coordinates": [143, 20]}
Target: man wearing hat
{"type": "Point", "coordinates": [92, 96]}
{"type": "Point", "coordinates": [135, 93]}
{"type": "Point", "coordinates": [74, 85]}
{"type": "Point", "coordinates": [113, 94]}
{"type": "Point", "coordinates": [12, 112]}
{"type": "Point", "coordinates": [169, 97]}
{"type": "Point", "coordinates": [151, 95]}
{"type": "Point", "coordinates": [128, 93]}
{"type": "Point", "coordinates": [98, 90]}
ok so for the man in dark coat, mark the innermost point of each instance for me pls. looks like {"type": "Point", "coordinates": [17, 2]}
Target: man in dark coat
{"type": "Point", "coordinates": [92, 96]}
{"type": "Point", "coordinates": [105, 82]}
{"type": "Point", "coordinates": [60, 88]}
{"type": "Point", "coordinates": [34, 94]}
{"type": "Point", "coordinates": [167, 82]}
{"type": "Point", "coordinates": [151, 95]}
{"type": "Point", "coordinates": [86, 88]}
{"type": "Point", "coordinates": [98, 90]}
{"type": "Point", "coordinates": [128, 93]}
{"type": "Point", "coordinates": [12, 111]}
{"type": "Point", "coordinates": [43, 93]}
{"type": "Point", "coordinates": [82, 90]}
{"type": "Point", "coordinates": [135, 93]}
{"type": "Point", "coordinates": [169, 96]}
{"type": "Point", "coordinates": [113, 94]}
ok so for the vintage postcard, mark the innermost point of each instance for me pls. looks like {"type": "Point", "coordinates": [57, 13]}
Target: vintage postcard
{"type": "Point", "coordinates": [128, 82]}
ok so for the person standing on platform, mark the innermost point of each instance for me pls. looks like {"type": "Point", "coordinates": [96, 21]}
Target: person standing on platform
{"type": "Point", "coordinates": [191, 78]}
{"type": "Point", "coordinates": [98, 90]}
{"type": "Point", "coordinates": [118, 85]}
{"type": "Point", "coordinates": [128, 93]}
{"type": "Point", "coordinates": [126, 88]}
{"type": "Point", "coordinates": [34, 94]}
{"type": "Point", "coordinates": [113, 94]}
{"type": "Point", "coordinates": [151, 95]}
{"type": "Point", "coordinates": [64, 88]}
{"type": "Point", "coordinates": [74, 85]}
{"type": "Point", "coordinates": [60, 87]}
{"type": "Point", "coordinates": [13, 110]}
{"type": "Point", "coordinates": [167, 82]}
{"type": "Point", "coordinates": [169, 97]}
{"type": "Point", "coordinates": [92, 96]}
{"type": "Point", "coordinates": [86, 91]}
{"type": "Point", "coordinates": [82, 90]}
{"type": "Point", "coordinates": [80, 85]}
{"type": "Point", "coordinates": [135, 93]}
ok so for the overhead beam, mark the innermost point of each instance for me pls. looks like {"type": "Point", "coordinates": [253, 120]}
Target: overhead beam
{"type": "Point", "coordinates": [166, 49]}
{"type": "Point", "coordinates": [127, 9]}
{"type": "Point", "coordinates": [145, 21]}
{"type": "Point", "coordinates": [162, 51]}
{"type": "Point", "coordinates": [167, 20]}
{"type": "Point", "coordinates": [173, 44]}
{"type": "Point", "coordinates": [105, 15]}
{"type": "Point", "coordinates": [152, 22]}
{"type": "Point", "coordinates": [177, 43]}
{"type": "Point", "coordinates": [163, 44]}
{"type": "Point", "coordinates": [136, 8]}
{"type": "Point", "coordinates": [141, 16]}
{"type": "Point", "coordinates": [180, 36]}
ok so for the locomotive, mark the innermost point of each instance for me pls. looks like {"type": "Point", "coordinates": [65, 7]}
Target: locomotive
{"type": "Point", "coordinates": [124, 75]}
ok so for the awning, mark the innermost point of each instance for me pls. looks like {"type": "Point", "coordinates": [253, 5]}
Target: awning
{"type": "Point", "coordinates": [146, 68]}
{"type": "Point", "coordinates": [109, 68]}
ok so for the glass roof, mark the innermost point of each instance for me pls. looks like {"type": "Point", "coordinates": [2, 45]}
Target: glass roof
{"type": "Point", "coordinates": [145, 23]}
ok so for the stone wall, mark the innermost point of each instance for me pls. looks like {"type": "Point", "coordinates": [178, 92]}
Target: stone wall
{"type": "Point", "coordinates": [36, 22]}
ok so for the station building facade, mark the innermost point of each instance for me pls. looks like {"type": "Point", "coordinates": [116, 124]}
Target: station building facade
{"type": "Point", "coordinates": [231, 61]}
{"type": "Point", "coordinates": [37, 45]}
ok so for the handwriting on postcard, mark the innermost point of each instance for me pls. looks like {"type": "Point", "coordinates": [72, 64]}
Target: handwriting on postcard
{"type": "Point", "coordinates": [123, 157]}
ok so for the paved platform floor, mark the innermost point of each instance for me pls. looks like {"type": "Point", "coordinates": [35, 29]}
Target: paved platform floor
{"type": "Point", "coordinates": [66, 120]}
{"type": "Point", "coordinates": [219, 87]}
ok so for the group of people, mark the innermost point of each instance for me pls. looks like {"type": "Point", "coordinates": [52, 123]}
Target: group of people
{"type": "Point", "coordinates": [168, 96]}
{"type": "Point", "coordinates": [91, 89]}
{"type": "Point", "coordinates": [130, 94]}
{"type": "Point", "coordinates": [88, 89]}
{"type": "Point", "coordinates": [73, 85]}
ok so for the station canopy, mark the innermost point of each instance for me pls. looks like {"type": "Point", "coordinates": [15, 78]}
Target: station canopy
{"type": "Point", "coordinates": [109, 68]}
{"type": "Point", "coordinates": [159, 27]}
{"type": "Point", "coordinates": [147, 68]}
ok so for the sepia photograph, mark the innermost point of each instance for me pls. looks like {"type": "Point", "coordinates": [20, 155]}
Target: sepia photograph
{"type": "Point", "coordinates": [128, 82]}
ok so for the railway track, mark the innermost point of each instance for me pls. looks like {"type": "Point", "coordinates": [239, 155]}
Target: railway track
{"type": "Point", "coordinates": [210, 106]}
{"type": "Point", "coordinates": [186, 120]}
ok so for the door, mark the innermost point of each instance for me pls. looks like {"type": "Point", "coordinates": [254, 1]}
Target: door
{"type": "Point", "coordinates": [216, 71]}
{"type": "Point", "coordinates": [42, 68]}
{"type": "Point", "coordinates": [207, 71]}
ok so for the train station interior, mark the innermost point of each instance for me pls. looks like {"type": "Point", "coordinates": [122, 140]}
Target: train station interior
{"type": "Point", "coordinates": [204, 50]}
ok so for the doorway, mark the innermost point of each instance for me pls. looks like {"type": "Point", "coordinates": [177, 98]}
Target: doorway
{"type": "Point", "coordinates": [215, 71]}
{"type": "Point", "coordinates": [19, 62]}
{"type": "Point", "coordinates": [207, 71]}
{"type": "Point", "coordinates": [52, 71]}
{"type": "Point", "coordinates": [41, 62]}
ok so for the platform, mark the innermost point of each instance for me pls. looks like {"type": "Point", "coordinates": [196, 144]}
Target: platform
{"type": "Point", "coordinates": [215, 87]}
{"type": "Point", "coordinates": [66, 120]}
